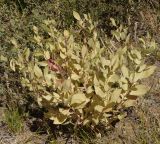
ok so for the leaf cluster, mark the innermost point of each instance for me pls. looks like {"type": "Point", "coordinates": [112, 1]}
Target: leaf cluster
{"type": "Point", "coordinates": [78, 76]}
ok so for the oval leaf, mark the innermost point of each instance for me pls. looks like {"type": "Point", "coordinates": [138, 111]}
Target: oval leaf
{"type": "Point", "coordinates": [125, 71]}
{"type": "Point", "coordinates": [76, 16]}
{"type": "Point", "coordinates": [139, 90]}
{"type": "Point", "coordinates": [78, 98]}
{"type": "Point", "coordinates": [38, 71]}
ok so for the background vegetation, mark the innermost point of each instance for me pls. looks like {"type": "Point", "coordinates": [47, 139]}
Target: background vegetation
{"type": "Point", "coordinates": [17, 18]}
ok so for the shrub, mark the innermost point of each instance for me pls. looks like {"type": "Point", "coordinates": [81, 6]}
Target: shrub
{"type": "Point", "coordinates": [80, 77]}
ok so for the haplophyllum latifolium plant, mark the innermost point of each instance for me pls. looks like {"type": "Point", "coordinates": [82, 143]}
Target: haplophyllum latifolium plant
{"type": "Point", "coordinates": [77, 78]}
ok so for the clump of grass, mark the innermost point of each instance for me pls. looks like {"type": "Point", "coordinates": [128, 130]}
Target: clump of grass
{"type": "Point", "coordinates": [14, 120]}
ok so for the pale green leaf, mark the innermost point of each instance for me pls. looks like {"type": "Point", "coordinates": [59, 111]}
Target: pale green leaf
{"type": "Point", "coordinates": [35, 29]}
{"type": "Point", "coordinates": [78, 99]}
{"type": "Point", "coordinates": [76, 16]}
{"type": "Point", "coordinates": [96, 82]}
{"type": "Point", "coordinates": [14, 42]}
{"type": "Point", "coordinates": [86, 17]}
{"type": "Point", "coordinates": [131, 77]}
{"type": "Point", "coordinates": [125, 71]}
{"type": "Point", "coordinates": [127, 38]}
{"type": "Point", "coordinates": [77, 66]}
{"type": "Point", "coordinates": [113, 78]}
{"type": "Point", "coordinates": [95, 120]}
{"type": "Point", "coordinates": [99, 91]}
{"type": "Point", "coordinates": [66, 85]}
{"type": "Point", "coordinates": [123, 80]}
{"type": "Point", "coordinates": [27, 54]}
{"type": "Point", "coordinates": [144, 74]}
{"type": "Point", "coordinates": [66, 33]}
{"type": "Point", "coordinates": [113, 22]}
{"type": "Point", "coordinates": [137, 61]}
{"type": "Point", "coordinates": [124, 87]}
{"type": "Point", "coordinates": [74, 76]}
{"type": "Point", "coordinates": [56, 95]}
{"type": "Point", "coordinates": [148, 72]}
{"type": "Point", "coordinates": [122, 116]}
{"type": "Point", "coordinates": [137, 53]}
{"type": "Point", "coordinates": [86, 121]}
{"type": "Point", "coordinates": [64, 111]}
{"type": "Point", "coordinates": [142, 67]}
{"type": "Point", "coordinates": [51, 46]}
{"type": "Point", "coordinates": [63, 56]}
{"type": "Point", "coordinates": [58, 119]}
{"type": "Point", "coordinates": [12, 64]}
{"type": "Point", "coordinates": [89, 90]}
{"type": "Point", "coordinates": [94, 35]}
{"type": "Point", "coordinates": [38, 71]}
{"type": "Point", "coordinates": [139, 90]}
{"type": "Point", "coordinates": [48, 78]}
{"type": "Point", "coordinates": [84, 51]}
{"type": "Point", "coordinates": [38, 53]}
{"type": "Point", "coordinates": [129, 103]}
{"type": "Point", "coordinates": [46, 55]}
{"type": "Point", "coordinates": [104, 62]}
{"type": "Point", "coordinates": [99, 108]}
{"type": "Point", "coordinates": [115, 62]}
{"type": "Point", "coordinates": [3, 58]}
{"type": "Point", "coordinates": [39, 101]}
{"type": "Point", "coordinates": [47, 97]}
{"type": "Point", "coordinates": [115, 97]}
{"type": "Point", "coordinates": [42, 63]}
{"type": "Point", "coordinates": [37, 39]}
{"type": "Point", "coordinates": [142, 40]}
{"type": "Point", "coordinates": [56, 98]}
